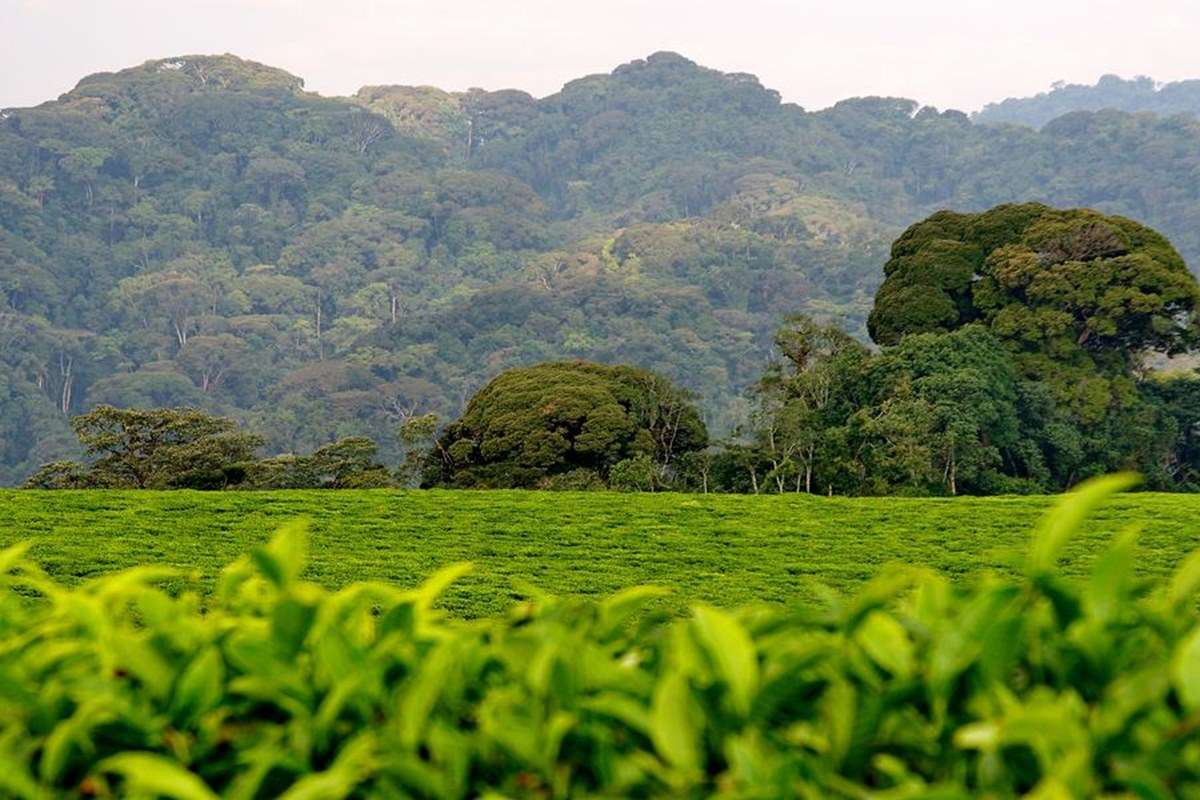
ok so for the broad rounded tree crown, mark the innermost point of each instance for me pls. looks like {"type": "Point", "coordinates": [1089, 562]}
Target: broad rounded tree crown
{"type": "Point", "coordinates": [1042, 279]}
{"type": "Point", "coordinates": [531, 423]}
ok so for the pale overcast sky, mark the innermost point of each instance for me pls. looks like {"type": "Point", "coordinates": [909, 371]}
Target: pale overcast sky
{"type": "Point", "coordinates": [950, 53]}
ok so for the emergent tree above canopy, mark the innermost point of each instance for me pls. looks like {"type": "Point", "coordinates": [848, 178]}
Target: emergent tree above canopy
{"type": "Point", "coordinates": [1043, 279]}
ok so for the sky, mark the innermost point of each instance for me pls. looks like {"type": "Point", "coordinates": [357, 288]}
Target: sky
{"type": "Point", "coordinates": [948, 53]}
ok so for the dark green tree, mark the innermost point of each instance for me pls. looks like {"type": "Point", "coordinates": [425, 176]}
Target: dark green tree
{"type": "Point", "coordinates": [156, 449]}
{"type": "Point", "coordinates": [1038, 275]}
{"type": "Point", "coordinates": [1013, 350]}
{"type": "Point", "coordinates": [1078, 296]}
{"type": "Point", "coordinates": [1177, 398]}
{"type": "Point", "coordinates": [349, 463]}
{"type": "Point", "coordinates": [965, 389]}
{"type": "Point", "coordinates": [533, 423]}
{"type": "Point", "coordinates": [417, 437]}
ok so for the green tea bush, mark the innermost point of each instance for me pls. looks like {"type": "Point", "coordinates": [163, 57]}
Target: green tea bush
{"type": "Point", "coordinates": [915, 687]}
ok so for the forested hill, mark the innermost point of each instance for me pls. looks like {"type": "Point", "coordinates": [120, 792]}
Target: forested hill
{"type": "Point", "coordinates": [202, 231]}
{"type": "Point", "coordinates": [1141, 94]}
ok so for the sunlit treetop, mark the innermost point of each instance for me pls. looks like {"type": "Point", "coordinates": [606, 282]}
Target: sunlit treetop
{"type": "Point", "coordinates": [1044, 280]}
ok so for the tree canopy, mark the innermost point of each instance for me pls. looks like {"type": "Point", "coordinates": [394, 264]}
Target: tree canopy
{"type": "Point", "coordinates": [1140, 94]}
{"type": "Point", "coordinates": [1013, 351]}
{"type": "Point", "coordinates": [201, 231]}
{"type": "Point", "coordinates": [1045, 278]}
{"type": "Point", "coordinates": [1078, 296]}
{"type": "Point", "coordinates": [966, 402]}
{"type": "Point", "coordinates": [532, 425]}
{"type": "Point", "coordinates": [159, 448]}
{"type": "Point", "coordinates": [186, 448]}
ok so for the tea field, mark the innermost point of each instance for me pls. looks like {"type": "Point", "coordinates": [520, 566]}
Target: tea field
{"type": "Point", "coordinates": [724, 549]}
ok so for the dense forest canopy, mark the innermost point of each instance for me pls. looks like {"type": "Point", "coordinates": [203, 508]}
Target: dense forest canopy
{"type": "Point", "coordinates": [200, 231]}
{"type": "Point", "coordinates": [1013, 348]}
{"type": "Point", "coordinates": [1140, 94]}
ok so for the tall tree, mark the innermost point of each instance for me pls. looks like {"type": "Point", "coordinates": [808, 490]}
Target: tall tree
{"type": "Point", "coordinates": [160, 448]}
{"type": "Point", "coordinates": [800, 398]}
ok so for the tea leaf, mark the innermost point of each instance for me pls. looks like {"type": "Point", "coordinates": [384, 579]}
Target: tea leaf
{"type": "Point", "coordinates": [887, 643]}
{"type": "Point", "coordinates": [291, 620]}
{"type": "Point", "coordinates": [283, 559]}
{"type": "Point", "coordinates": [1111, 577]}
{"type": "Point", "coordinates": [152, 774]}
{"type": "Point", "coordinates": [1185, 583]}
{"type": "Point", "coordinates": [671, 722]}
{"type": "Point", "coordinates": [1185, 670]}
{"type": "Point", "coordinates": [615, 611]}
{"type": "Point", "coordinates": [436, 584]}
{"type": "Point", "coordinates": [732, 651]}
{"type": "Point", "coordinates": [1064, 520]}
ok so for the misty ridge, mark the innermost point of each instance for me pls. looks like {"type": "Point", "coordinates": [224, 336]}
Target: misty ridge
{"type": "Point", "coordinates": [1140, 94]}
{"type": "Point", "coordinates": [200, 231]}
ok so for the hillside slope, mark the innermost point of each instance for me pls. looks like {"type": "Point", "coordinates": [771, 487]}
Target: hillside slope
{"type": "Point", "coordinates": [200, 230]}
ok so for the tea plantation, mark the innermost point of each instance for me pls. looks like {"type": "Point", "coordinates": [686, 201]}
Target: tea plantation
{"type": "Point", "coordinates": [725, 549]}
{"type": "Point", "coordinates": [915, 687]}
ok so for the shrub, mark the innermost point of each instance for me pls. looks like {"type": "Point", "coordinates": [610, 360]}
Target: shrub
{"type": "Point", "coordinates": [633, 474]}
{"type": "Point", "coordinates": [348, 463]}
{"type": "Point", "coordinates": [60, 475]}
{"type": "Point", "coordinates": [577, 480]}
{"type": "Point", "coordinates": [915, 687]}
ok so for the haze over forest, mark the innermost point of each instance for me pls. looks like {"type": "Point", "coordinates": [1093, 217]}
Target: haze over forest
{"type": "Point", "coordinates": [947, 53]}
{"type": "Point", "coordinates": [199, 230]}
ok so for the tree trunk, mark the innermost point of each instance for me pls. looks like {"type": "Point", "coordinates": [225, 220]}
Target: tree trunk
{"type": "Point", "coordinates": [68, 378]}
{"type": "Point", "coordinates": [320, 344]}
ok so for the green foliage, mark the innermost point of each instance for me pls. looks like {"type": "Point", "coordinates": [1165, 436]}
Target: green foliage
{"type": "Point", "coordinates": [199, 231]}
{"type": "Point", "coordinates": [912, 687]}
{"type": "Point", "coordinates": [533, 423]}
{"type": "Point", "coordinates": [417, 436]}
{"type": "Point", "coordinates": [1014, 351]}
{"type": "Point", "coordinates": [938, 413]}
{"type": "Point", "coordinates": [965, 391]}
{"type": "Point", "coordinates": [184, 448]}
{"type": "Point", "coordinates": [1178, 397]}
{"type": "Point", "coordinates": [345, 464]}
{"type": "Point", "coordinates": [636, 474]}
{"type": "Point", "coordinates": [1063, 283]}
{"type": "Point", "coordinates": [1031, 381]}
{"type": "Point", "coordinates": [799, 404]}
{"type": "Point", "coordinates": [1140, 94]}
{"type": "Point", "coordinates": [179, 448]}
